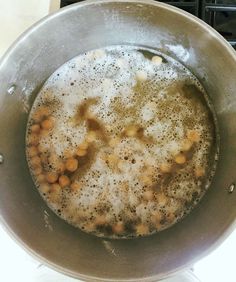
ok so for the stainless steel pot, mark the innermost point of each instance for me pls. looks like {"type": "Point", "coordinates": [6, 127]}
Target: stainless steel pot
{"type": "Point", "coordinates": [31, 60]}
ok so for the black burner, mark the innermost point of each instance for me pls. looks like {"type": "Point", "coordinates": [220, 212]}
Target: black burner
{"type": "Point", "coordinates": [220, 14]}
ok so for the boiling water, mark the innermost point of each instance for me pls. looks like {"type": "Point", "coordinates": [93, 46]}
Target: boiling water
{"type": "Point", "coordinates": [121, 141]}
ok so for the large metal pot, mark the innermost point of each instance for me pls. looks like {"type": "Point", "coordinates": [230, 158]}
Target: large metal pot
{"type": "Point", "coordinates": [31, 60]}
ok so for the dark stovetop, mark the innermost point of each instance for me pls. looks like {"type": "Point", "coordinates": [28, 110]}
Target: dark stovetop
{"type": "Point", "coordinates": [220, 14]}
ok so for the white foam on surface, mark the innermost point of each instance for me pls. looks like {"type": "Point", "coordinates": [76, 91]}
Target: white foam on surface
{"type": "Point", "coordinates": [110, 76]}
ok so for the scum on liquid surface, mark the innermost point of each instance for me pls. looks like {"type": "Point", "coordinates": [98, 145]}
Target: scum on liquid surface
{"type": "Point", "coordinates": [121, 142]}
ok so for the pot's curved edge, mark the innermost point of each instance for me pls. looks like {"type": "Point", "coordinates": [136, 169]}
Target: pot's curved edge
{"type": "Point", "coordinates": [224, 234]}
{"type": "Point", "coordinates": [66, 9]}
{"type": "Point", "coordinates": [161, 276]}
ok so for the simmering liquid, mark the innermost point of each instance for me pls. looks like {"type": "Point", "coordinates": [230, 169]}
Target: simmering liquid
{"type": "Point", "coordinates": [121, 142]}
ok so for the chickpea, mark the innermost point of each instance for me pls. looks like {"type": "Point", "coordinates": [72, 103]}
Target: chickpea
{"type": "Point", "coordinates": [53, 159]}
{"type": "Point", "coordinates": [32, 151]}
{"type": "Point", "coordinates": [180, 159]}
{"type": "Point", "coordinates": [158, 225]}
{"type": "Point", "coordinates": [193, 135]}
{"type": "Point", "coordinates": [40, 178]}
{"type": "Point", "coordinates": [99, 54]}
{"type": "Point", "coordinates": [44, 111]}
{"type": "Point", "coordinates": [91, 136]}
{"type": "Point", "coordinates": [64, 181]}
{"type": "Point", "coordinates": [199, 171]}
{"type": "Point", "coordinates": [103, 157]}
{"type": "Point", "coordinates": [51, 177]}
{"type": "Point", "coordinates": [174, 148]}
{"type": "Point", "coordinates": [89, 115]}
{"type": "Point", "coordinates": [55, 188]}
{"type": "Point", "coordinates": [114, 163]}
{"type": "Point", "coordinates": [44, 159]}
{"type": "Point", "coordinates": [35, 128]}
{"type": "Point", "coordinates": [157, 60]}
{"type": "Point", "coordinates": [131, 131]}
{"type": "Point", "coordinates": [71, 164]}
{"type": "Point", "coordinates": [40, 114]}
{"type": "Point", "coordinates": [121, 165]}
{"type": "Point", "coordinates": [56, 163]}
{"type": "Point", "coordinates": [75, 186]}
{"type": "Point", "coordinates": [83, 146]}
{"type": "Point", "coordinates": [112, 159]}
{"type": "Point", "coordinates": [68, 154]}
{"type": "Point", "coordinates": [44, 132]}
{"type": "Point", "coordinates": [186, 145]}
{"type": "Point", "coordinates": [161, 199]}
{"type": "Point", "coordinates": [37, 117]}
{"type": "Point", "coordinates": [90, 227]}
{"type": "Point", "coordinates": [148, 195]}
{"type": "Point", "coordinates": [146, 180]}
{"type": "Point", "coordinates": [121, 62]}
{"type": "Point", "coordinates": [142, 229]}
{"type": "Point", "coordinates": [165, 167]}
{"type": "Point", "coordinates": [170, 217]}
{"type": "Point", "coordinates": [156, 217]}
{"type": "Point", "coordinates": [118, 228]}
{"type": "Point", "coordinates": [114, 142]}
{"type": "Point", "coordinates": [55, 193]}
{"type": "Point", "coordinates": [47, 124]}
{"type": "Point", "coordinates": [141, 76]}
{"type": "Point", "coordinates": [35, 161]}
{"type": "Point", "coordinates": [150, 170]}
{"type": "Point", "coordinates": [124, 186]}
{"type": "Point", "coordinates": [81, 152]}
{"type": "Point", "coordinates": [38, 170]}
{"type": "Point", "coordinates": [33, 139]}
{"type": "Point", "coordinates": [44, 188]}
{"type": "Point", "coordinates": [60, 167]}
{"type": "Point", "coordinates": [42, 149]}
{"type": "Point", "coordinates": [100, 220]}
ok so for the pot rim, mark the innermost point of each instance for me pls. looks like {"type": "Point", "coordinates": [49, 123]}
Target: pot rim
{"type": "Point", "coordinates": [224, 234]}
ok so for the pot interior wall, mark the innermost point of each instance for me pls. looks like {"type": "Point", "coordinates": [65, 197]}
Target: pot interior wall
{"type": "Point", "coordinates": [30, 62]}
